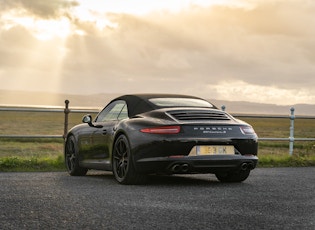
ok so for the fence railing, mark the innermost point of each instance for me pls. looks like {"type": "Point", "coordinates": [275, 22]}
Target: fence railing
{"type": "Point", "coordinates": [66, 110]}
{"type": "Point", "coordinates": [292, 118]}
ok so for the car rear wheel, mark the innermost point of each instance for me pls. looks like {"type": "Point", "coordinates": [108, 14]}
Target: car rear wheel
{"type": "Point", "coordinates": [72, 158]}
{"type": "Point", "coordinates": [233, 176]}
{"type": "Point", "coordinates": [123, 167]}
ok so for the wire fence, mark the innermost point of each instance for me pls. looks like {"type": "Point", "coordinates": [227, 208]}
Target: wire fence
{"type": "Point", "coordinates": [66, 110]}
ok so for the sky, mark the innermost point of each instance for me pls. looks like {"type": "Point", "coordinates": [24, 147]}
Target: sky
{"type": "Point", "coordinates": [240, 50]}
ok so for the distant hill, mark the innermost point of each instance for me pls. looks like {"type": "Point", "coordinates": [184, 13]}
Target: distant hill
{"type": "Point", "coordinates": [261, 108]}
{"type": "Point", "coordinates": [24, 98]}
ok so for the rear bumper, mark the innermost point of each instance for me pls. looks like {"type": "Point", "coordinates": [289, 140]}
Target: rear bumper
{"type": "Point", "coordinates": [196, 164]}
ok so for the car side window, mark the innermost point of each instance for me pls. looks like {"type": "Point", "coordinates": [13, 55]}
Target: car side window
{"type": "Point", "coordinates": [114, 111]}
{"type": "Point", "coordinates": [124, 113]}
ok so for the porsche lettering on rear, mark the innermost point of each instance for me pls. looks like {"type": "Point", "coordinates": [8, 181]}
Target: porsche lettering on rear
{"type": "Point", "coordinates": [213, 129]}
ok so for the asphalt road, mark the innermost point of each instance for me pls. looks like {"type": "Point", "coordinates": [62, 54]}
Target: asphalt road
{"type": "Point", "coordinates": [277, 198]}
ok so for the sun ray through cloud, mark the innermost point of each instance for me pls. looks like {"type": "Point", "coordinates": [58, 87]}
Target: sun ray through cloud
{"type": "Point", "coordinates": [251, 47]}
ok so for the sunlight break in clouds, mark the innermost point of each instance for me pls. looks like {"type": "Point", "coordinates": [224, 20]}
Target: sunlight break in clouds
{"type": "Point", "coordinates": [42, 29]}
{"type": "Point", "coordinates": [251, 50]}
{"type": "Point", "coordinates": [143, 7]}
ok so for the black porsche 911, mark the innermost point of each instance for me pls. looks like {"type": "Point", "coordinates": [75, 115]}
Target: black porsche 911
{"type": "Point", "coordinates": [138, 135]}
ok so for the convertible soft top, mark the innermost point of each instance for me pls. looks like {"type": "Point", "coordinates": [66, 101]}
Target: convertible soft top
{"type": "Point", "coordinates": [139, 103]}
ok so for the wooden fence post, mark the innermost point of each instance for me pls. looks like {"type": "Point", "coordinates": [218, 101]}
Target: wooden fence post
{"type": "Point", "coordinates": [291, 138]}
{"type": "Point", "coordinates": [66, 111]}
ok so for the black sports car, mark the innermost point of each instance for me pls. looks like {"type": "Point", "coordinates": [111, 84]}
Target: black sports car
{"type": "Point", "coordinates": [137, 135]}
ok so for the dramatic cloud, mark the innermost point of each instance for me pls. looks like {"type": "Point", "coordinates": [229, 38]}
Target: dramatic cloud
{"type": "Point", "coordinates": [42, 9]}
{"type": "Point", "coordinates": [254, 50]}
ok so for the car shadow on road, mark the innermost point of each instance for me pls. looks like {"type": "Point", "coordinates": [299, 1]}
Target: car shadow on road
{"type": "Point", "coordinates": [169, 180]}
{"type": "Point", "coordinates": [190, 180]}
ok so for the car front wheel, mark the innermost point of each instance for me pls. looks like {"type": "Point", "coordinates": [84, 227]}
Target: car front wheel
{"type": "Point", "coordinates": [123, 167]}
{"type": "Point", "coordinates": [72, 158]}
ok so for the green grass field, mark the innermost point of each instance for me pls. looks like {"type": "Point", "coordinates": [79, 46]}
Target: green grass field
{"type": "Point", "coordinates": [47, 154]}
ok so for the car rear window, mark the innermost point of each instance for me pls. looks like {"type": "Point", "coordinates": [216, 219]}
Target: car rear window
{"type": "Point", "coordinates": [180, 102]}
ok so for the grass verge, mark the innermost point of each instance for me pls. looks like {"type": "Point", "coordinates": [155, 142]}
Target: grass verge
{"type": "Point", "coordinates": [16, 164]}
{"type": "Point", "coordinates": [286, 161]}
{"type": "Point", "coordinates": [47, 155]}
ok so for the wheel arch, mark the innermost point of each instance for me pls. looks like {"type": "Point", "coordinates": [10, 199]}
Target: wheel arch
{"type": "Point", "coordinates": [117, 135]}
{"type": "Point", "coordinates": [72, 157]}
{"type": "Point", "coordinates": [69, 134]}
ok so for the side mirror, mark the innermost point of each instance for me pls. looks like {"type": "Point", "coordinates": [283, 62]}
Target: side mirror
{"type": "Point", "coordinates": [88, 119]}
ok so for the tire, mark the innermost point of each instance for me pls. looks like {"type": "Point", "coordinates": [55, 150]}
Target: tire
{"type": "Point", "coordinates": [123, 168]}
{"type": "Point", "coordinates": [233, 176]}
{"type": "Point", "coordinates": [72, 158]}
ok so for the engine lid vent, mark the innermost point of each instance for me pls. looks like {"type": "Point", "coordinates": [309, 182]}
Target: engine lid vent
{"type": "Point", "coordinates": [197, 115]}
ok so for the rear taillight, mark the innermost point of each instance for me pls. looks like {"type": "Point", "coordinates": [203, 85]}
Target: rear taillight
{"type": "Point", "coordinates": [247, 130]}
{"type": "Point", "coordinates": [162, 130]}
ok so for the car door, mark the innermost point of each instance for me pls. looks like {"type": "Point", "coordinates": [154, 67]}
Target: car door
{"type": "Point", "coordinates": [101, 138]}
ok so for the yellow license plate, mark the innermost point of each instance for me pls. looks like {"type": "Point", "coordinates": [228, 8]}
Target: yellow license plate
{"type": "Point", "coordinates": [215, 149]}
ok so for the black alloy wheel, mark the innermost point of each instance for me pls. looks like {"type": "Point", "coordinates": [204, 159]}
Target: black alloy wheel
{"type": "Point", "coordinates": [123, 167]}
{"type": "Point", "coordinates": [72, 158]}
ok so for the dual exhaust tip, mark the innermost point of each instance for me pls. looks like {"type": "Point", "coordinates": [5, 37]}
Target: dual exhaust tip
{"type": "Point", "coordinates": [246, 166]}
{"type": "Point", "coordinates": [184, 167]}
{"type": "Point", "coordinates": [180, 168]}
